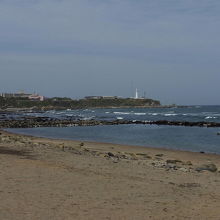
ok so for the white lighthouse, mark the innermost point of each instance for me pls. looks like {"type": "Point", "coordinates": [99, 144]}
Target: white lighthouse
{"type": "Point", "coordinates": [136, 94]}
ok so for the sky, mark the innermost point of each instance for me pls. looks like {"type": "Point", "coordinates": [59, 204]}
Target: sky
{"type": "Point", "coordinates": [169, 49]}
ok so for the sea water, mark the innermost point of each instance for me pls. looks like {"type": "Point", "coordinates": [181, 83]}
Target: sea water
{"type": "Point", "coordinates": [173, 137]}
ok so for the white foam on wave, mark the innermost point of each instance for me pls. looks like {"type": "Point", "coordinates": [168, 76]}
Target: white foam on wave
{"type": "Point", "coordinates": [122, 113]}
{"type": "Point", "coordinates": [154, 114]}
{"type": "Point", "coordinates": [69, 115]}
{"type": "Point", "coordinates": [192, 114]}
{"type": "Point", "coordinates": [210, 117]}
{"type": "Point", "coordinates": [169, 114]}
{"type": "Point", "coordinates": [139, 113]}
{"type": "Point", "coordinates": [88, 118]}
{"type": "Point", "coordinates": [120, 118]}
{"type": "Point", "coordinates": [60, 113]}
{"type": "Point", "coordinates": [107, 112]}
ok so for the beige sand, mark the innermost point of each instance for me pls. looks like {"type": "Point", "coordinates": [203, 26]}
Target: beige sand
{"type": "Point", "coordinates": [55, 179]}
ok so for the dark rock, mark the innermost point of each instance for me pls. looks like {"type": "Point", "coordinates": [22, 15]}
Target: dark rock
{"type": "Point", "coordinates": [171, 183]}
{"type": "Point", "coordinates": [144, 155]}
{"type": "Point", "coordinates": [189, 185]}
{"type": "Point", "coordinates": [159, 155]}
{"type": "Point", "coordinates": [174, 161]}
{"type": "Point", "coordinates": [110, 154]}
{"type": "Point", "coordinates": [171, 166]}
{"type": "Point", "coordinates": [165, 210]}
{"type": "Point", "coordinates": [209, 167]}
{"type": "Point", "coordinates": [201, 152]}
{"type": "Point", "coordinates": [30, 122]}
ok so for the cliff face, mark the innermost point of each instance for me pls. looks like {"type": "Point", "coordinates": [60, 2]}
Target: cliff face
{"type": "Point", "coordinates": [76, 104]}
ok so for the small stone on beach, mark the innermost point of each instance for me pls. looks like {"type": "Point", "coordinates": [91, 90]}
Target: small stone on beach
{"type": "Point", "coordinates": [209, 167]}
{"type": "Point", "coordinates": [110, 154]}
{"type": "Point", "coordinates": [174, 161]}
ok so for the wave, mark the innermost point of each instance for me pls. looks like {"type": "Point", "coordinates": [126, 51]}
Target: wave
{"type": "Point", "coordinates": [209, 113]}
{"type": "Point", "coordinates": [60, 113]}
{"type": "Point", "coordinates": [191, 114]}
{"type": "Point", "coordinates": [210, 117]}
{"type": "Point", "coordinates": [122, 113]}
{"type": "Point", "coordinates": [154, 114]}
{"type": "Point", "coordinates": [51, 112]}
{"type": "Point", "coordinates": [88, 118]}
{"type": "Point", "coordinates": [120, 118]}
{"type": "Point", "coordinates": [170, 114]}
{"type": "Point", "coordinates": [139, 113]}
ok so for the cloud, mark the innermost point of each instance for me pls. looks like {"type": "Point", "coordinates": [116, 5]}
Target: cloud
{"type": "Point", "coordinates": [154, 39]}
{"type": "Point", "coordinates": [146, 24]}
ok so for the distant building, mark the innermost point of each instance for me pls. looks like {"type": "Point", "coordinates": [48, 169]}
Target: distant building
{"type": "Point", "coordinates": [22, 94]}
{"type": "Point", "coordinates": [36, 97]}
{"type": "Point", "coordinates": [136, 94]}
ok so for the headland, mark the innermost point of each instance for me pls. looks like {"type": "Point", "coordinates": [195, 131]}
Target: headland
{"type": "Point", "coordinates": [12, 103]}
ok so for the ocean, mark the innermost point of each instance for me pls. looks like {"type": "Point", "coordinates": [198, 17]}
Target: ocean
{"type": "Point", "coordinates": [198, 139]}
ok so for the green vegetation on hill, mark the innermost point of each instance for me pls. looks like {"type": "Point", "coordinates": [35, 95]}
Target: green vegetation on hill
{"type": "Point", "coordinates": [61, 103]}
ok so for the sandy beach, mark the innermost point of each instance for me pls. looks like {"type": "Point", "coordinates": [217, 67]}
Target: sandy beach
{"type": "Point", "coordinates": [57, 179]}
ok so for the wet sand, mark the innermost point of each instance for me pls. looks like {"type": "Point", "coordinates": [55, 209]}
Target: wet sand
{"type": "Point", "coordinates": [55, 179]}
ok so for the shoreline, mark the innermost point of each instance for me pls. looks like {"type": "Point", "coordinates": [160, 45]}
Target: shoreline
{"type": "Point", "coordinates": [124, 147]}
{"type": "Point", "coordinates": [108, 143]}
{"type": "Point", "coordinates": [44, 178]}
{"type": "Point", "coordinates": [44, 109]}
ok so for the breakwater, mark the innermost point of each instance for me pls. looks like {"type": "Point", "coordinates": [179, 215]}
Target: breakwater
{"type": "Point", "coordinates": [51, 122]}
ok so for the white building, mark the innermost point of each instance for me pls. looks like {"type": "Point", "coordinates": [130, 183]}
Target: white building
{"type": "Point", "coordinates": [36, 97]}
{"type": "Point", "coordinates": [136, 94]}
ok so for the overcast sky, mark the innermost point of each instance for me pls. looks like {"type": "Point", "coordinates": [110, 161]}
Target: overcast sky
{"type": "Point", "coordinates": [169, 49]}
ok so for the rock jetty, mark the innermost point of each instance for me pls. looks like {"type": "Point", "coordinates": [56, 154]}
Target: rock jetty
{"type": "Point", "coordinates": [32, 122]}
